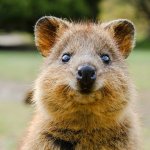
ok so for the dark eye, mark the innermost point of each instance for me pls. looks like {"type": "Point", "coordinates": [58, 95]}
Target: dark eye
{"type": "Point", "coordinates": [105, 58]}
{"type": "Point", "coordinates": [66, 57]}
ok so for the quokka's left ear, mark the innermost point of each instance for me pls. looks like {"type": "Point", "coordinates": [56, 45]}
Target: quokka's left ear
{"type": "Point", "coordinates": [47, 31]}
{"type": "Point", "coordinates": [123, 33]}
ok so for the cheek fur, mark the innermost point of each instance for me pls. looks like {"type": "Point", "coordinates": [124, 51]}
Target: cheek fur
{"type": "Point", "coordinates": [116, 86]}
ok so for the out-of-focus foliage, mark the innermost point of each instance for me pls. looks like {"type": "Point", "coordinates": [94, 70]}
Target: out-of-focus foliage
{"type": "Point", "coordinates": [22, 14]}
{"type": "Point", "coordinates": [143, 7]}
{"type": "Point", "coordinates": [127, 9]}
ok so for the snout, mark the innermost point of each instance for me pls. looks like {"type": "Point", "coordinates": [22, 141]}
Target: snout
{"type": "Point", "coordinates": [86, 76]}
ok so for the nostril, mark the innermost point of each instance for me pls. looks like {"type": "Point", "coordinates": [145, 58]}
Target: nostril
{"type": "Point", "coordinates": [80, 73]}
{"type": "Point", "coordinates": [93, 75]}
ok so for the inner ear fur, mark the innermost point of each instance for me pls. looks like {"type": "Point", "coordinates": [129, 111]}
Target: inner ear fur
{"type": "Point", "coordinates": [123, 33]}
{"type": "Point", "coordinates": [47, 31]}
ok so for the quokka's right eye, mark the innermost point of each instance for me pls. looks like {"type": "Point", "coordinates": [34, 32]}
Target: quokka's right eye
{"type": "Point", "coordinates": [66, 57]}
{"type": "Point", "coordinates": [105, 58]}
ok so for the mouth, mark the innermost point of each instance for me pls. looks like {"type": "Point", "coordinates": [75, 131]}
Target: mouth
{"type": "Point", "coordinates": [85, 91]}
{"type": "Point", "coordinates": [85, 88]}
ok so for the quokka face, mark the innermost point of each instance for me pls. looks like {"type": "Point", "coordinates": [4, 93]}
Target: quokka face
{"type": "Point", "coordinates": [84, 65]}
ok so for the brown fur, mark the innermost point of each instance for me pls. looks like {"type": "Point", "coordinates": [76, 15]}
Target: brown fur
{"type": "Point", "coordinates": [29, 96]}
{"type": "Point", "coordinates": [65, 119]}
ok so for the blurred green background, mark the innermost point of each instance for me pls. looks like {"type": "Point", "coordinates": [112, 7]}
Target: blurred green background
{"type": "Point", "coordinates": [20, 62]}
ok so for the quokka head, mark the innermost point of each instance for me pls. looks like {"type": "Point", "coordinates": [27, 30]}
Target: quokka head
{"type": "Point", "coordinates": [85, 63]}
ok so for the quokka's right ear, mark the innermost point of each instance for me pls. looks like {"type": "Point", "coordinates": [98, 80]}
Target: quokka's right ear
{"type": "Point", "coordinates": [47, 30]}
{"type": "Point", "coordinates": [123, 33]}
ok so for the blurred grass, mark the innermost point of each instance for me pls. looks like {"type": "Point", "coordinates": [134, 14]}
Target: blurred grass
{"type": "Point", "coordinates": [139, 68]}
{"type": "Point", "coordinates": [24, 66]}
{"type": "Point", "coordinates": [18, 65]}
{"type": "Point", "coordinates": [144, 43]}
{"type": "Point", "coordinates": [14, 118]}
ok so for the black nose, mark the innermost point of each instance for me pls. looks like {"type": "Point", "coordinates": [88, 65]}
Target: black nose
{"type": "Point", "coordinates": [86, 76]}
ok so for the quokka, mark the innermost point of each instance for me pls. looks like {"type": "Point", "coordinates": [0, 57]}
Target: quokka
{"type": "Point", "coordinates": [84, 97]}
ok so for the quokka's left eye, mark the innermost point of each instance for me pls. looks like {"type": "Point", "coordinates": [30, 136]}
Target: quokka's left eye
{"type": "Point", "coordinates": [105, 58]}
{"type": "Point", "coordinates": [66, 57]}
